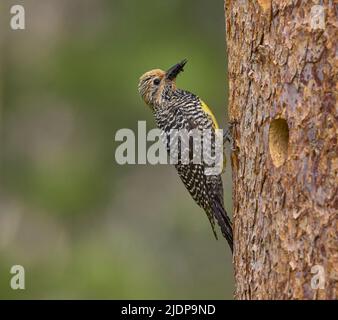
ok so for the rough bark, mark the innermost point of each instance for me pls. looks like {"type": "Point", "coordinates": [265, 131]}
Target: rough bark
{"type": "Point", "coordinates": [282, 99]}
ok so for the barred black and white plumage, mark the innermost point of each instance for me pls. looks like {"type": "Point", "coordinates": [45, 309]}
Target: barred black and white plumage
{"type": "Point", "coordinates": [176, 109]}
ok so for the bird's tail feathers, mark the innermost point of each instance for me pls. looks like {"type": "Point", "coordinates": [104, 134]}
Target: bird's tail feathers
{"type": "Point", "coordinates": [224, 222]}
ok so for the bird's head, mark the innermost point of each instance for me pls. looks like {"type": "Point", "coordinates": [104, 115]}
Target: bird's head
{"type": "Point", "coordinates": [156, 85]}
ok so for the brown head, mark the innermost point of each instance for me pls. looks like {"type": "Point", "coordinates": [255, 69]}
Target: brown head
{"type": "Point", "coordinates": [157, 84]}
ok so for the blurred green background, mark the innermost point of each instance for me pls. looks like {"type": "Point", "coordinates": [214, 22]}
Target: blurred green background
{"type": "Point", "coordinates": [81, 225]}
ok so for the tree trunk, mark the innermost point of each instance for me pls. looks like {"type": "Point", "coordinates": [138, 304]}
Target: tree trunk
{"type": "Point", "coordinates": [282, 100]}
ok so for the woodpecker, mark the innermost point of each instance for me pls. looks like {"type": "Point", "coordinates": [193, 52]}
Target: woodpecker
{"type": "Point", "coordinates": [178, 109]}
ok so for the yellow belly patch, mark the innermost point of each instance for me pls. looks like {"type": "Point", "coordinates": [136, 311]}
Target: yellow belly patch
{"type": "Point", "coordinates": [207, 110]}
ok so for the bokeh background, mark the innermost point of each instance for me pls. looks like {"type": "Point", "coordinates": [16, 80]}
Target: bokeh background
{"type": "Point", "coordinates": [81, 225]}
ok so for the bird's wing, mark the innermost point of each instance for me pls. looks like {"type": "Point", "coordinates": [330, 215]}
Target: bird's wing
{"type": "Point", "coordinates": [192, 176]}
{"type": "Point", "coordinates": [214, 182]}
{"type": "Point", "coordinates": [206, 190]}
{"type": "Point", "coordinates": [212, 119]}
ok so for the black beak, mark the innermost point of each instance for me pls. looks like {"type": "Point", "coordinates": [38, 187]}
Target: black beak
{"type": "Point", "coordinates": [173, 72]}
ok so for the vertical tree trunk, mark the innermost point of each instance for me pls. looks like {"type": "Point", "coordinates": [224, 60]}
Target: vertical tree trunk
{"type": "Point", "coordinates": [283, 93]}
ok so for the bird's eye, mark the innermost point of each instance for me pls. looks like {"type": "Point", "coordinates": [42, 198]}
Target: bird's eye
{"type": "Point", "coordinates": [157, 81]}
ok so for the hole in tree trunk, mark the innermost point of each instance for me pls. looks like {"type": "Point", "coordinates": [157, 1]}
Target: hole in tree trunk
{"type": "Point", "coordinates": [278, 141]}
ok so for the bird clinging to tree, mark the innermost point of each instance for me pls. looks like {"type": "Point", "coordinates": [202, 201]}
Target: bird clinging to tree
{"type": "Point", "coordinates": [178, 109]}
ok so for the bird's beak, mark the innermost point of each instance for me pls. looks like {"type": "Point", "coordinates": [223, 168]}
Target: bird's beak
{"type": "Point", "coordinates": [173, 72]}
